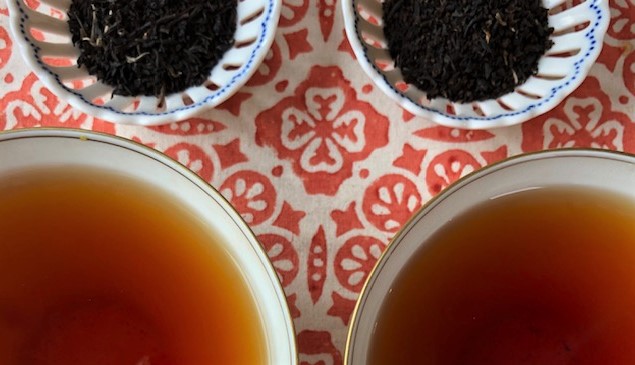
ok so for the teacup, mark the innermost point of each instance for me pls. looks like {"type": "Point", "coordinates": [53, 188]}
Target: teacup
{"type": "Point", "coordinates": [25, 153]}
{"type": "Point", "coordinates": [524, 261]}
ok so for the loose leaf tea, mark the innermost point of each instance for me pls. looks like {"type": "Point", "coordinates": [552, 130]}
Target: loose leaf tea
{"type": "Point", "coordinates": [466, 50]}
{"type": "Point", "coordinates": [151, 47]}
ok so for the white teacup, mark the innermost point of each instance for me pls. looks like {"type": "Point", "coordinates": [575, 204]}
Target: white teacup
{"type": "Point", "coordinates": [594, 169]}
{"type": "Point", "coordinates": [49, 148]}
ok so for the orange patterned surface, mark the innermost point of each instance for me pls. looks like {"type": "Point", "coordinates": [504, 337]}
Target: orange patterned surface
{"type": "Point", "coordinates": [323, 166]}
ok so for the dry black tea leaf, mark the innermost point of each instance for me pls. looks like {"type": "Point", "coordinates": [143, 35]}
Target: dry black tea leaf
{"type": "Point", "coordinates": [151, 47]}
{"type": "Point", "coordinates": [466, 50]}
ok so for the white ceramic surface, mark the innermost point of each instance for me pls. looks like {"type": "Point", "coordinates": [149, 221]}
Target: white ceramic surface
{"type": "Point", "coordinates": [557, 76]}
{"type": "Point", "coordinates": [32, 149]}
{"type": "Point", "coordinates": [596, 169]}
{"type": "Point", "coordinates": [257, 23]}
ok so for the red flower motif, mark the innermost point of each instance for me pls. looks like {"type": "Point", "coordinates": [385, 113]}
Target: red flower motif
{"type": "Point", "coordinates": [622, 24]}
{"type": "Point", "coordinates": [448, 167]}
{"type": "Point", "coordinates": [252, 194]}
{"type": "Point", "coordinates": [194, 158]}
{"type": "Point", "coordinates": [283, 256]}
{"type": "Point", "coordinates": [584, 119]}
{"type": "Point", "coordinates": [323, 129]}
{"type": "Point", "coordinates": [355, 259]}
{"type": "Point", "coordinates": [35, 106]}
{"type": "Point", "coordinates": [390, 202]}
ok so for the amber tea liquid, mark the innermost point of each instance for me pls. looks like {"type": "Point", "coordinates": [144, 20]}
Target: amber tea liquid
{"type": "Point", "coordinates": [98, 269]}
{"type": "Point", "coordinates": [542, 277]}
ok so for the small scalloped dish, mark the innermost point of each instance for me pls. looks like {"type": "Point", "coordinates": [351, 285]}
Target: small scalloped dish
{"type": "Point", "coordinates": [45, 43]}
{"type": "Point", "coordinates": [577, 40]}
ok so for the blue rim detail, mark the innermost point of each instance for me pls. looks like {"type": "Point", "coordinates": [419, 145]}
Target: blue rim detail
{"type": "Point", "coordinates": [223, 90]}
{"type": "Point", "coordinates": [591, 34]}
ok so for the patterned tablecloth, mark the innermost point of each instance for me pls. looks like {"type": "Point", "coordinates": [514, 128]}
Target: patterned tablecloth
{"type": "Point", "coordinates": [325, 197]}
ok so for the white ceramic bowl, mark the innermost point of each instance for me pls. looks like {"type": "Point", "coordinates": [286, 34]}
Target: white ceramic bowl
{"type": "Point", "coordinates": [257, 23]}
{"type": "Point", "coordinates": [557, 76]}
{"type": "Point", "coordinates": [575, 168]}
{"type": "Point", "coordinates": [42, 148]}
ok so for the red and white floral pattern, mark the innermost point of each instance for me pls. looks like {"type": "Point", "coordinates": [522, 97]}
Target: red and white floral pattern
{"type": "Point", "coordinates": [324, 167]}
{"type": "Point", "coordinates": [323, 129]}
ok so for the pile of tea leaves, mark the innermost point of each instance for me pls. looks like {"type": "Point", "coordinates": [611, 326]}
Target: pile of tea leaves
{"type": "Point", "coordinates": [466, 50]}
{"type": "Point", "coordinates": [151, 47]}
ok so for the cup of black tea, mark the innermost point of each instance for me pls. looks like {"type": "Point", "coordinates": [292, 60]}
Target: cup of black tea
{"type": "Point", "coordinates": [112, 253]}
{"type": "Point", "coordinates": [528, 261]}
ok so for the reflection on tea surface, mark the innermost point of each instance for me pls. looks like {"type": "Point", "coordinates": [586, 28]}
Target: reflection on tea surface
{"type": "Point", "coordinates": [539, 277]}
{"type": "Point", "coordinates": [98, 269]}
